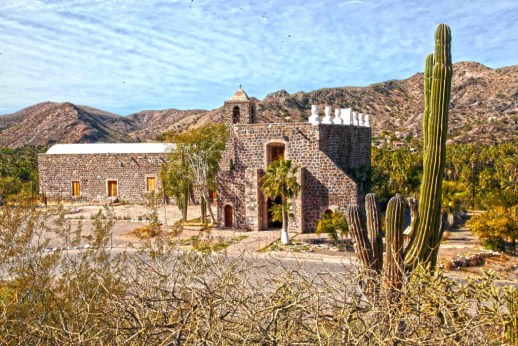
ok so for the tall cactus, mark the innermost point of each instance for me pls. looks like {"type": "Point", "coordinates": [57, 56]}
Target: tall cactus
{"type": "Point", "coordinates": [427, 235]}
{"type": "Point", "coordinates": [394, 223]}
{"type": "Point", "coordinates": [359, 233]}
{"type": "Point", "coordinates": [374, 230]}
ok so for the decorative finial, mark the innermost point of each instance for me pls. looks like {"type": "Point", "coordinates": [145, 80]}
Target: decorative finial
{"type": "Point", "coordinates": [240, 87]}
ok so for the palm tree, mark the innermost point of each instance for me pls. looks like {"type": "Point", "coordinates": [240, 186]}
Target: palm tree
{"type": "Point", "coordinates": [280, 181]}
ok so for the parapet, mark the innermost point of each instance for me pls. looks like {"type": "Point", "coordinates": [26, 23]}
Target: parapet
{"type": "Point", "coordinates": [343, 116]}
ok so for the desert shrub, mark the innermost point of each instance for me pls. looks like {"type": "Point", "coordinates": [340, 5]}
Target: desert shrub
{"type": "Point", "coordinates": [159, 295]}
{"type": "Point", "coordinates": [334, 225]}
{"type": "Point", "coordinates": [495, 225]}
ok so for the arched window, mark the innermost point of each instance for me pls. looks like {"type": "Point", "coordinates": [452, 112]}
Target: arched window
{"type": "Point", "coordinates": [275, 151]}
{"type": "Point", "coordinates": [235, 115]}
{"type": "Point", "coordinates": [328, 212]}
{"type": "Point", "coordinates": [228, 216]}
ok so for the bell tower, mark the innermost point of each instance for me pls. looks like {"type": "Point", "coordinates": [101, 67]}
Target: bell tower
{"type": "Point", "coordinates": [239, 109]}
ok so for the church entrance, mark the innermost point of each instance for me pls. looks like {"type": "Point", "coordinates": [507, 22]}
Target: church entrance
{"type": "Point", "coordinates": [228, 215]}
{"type": "Point", "coordinates": [270, 204]}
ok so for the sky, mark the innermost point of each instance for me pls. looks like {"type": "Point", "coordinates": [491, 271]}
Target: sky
{"type": "Point", "coordinates": [124, 56]}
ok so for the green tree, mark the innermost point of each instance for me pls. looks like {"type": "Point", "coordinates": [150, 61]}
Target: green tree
{"type": "Point", "coordinates": [176, 181]}
{"type": "Point", "coordinates": [280, 181]}
{"type": "Point", "coordinates": [395, 171]}
{"type": "Point", "coordinates": [19, 171]}
{"type": "Point", "coordinates": [495, 225]}
{"type": "Point", "coordinates": [195, 155]}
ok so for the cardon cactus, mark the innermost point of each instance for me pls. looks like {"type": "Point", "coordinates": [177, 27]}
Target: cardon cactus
{"type": "Point", "coordinates": [394, 227]}
{"type": "Point", "coordinates": [359, 233]}
{"type": "Point", "coordinates": [374, 230]}
{"type": "Point", "coordinates": [426, 236]}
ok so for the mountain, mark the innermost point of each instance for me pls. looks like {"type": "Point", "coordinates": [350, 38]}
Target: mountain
{"type": "Point", "coordinates": [484, 108]}
{"type": "Point", "coordinates": [47, 123]}
{"type": "Point", "coordinates": [148, 124]}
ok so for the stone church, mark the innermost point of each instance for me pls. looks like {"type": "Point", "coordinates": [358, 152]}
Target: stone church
{"type": "Point", "coordinates": [333, 155]}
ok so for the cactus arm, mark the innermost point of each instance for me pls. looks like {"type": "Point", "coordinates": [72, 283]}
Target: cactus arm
{"type": "Point", "coordinates": [428, 70]}
{"type": "Point", "coordinates": [394, 226]}
{"type": "Point", "coordinates": [359, 233]}
{"type": "Point", "coordinates": [374, 230]}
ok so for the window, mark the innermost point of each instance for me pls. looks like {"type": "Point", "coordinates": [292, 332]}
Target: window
{"type": "Point", "coordinates": [150, 184]}
{"type": "Point", "coordinates": [112, 188]}
{"type": "Point", "coordinates": [235, 115]}
{"type": "Point", "coordinates": [275, 152]}
{"type": "Point", "coordinates": [76, 188]}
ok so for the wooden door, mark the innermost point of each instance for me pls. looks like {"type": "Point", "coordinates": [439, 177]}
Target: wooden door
{"type": "Point", "coordinates": [228, 216]}
{"type": "Point", "coordinates": [151, 183]}
{"type": "Point", "coordinates": [76, 189]}
{"type": "Point", "coordinates": [112, 188]}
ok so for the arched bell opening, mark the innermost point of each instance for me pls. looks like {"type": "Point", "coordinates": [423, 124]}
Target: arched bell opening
{"type": "Point", "coordinates": [236, 112]}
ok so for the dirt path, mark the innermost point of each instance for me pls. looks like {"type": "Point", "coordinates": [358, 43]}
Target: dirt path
{"type": "Point", "coordinates": [459, 241]}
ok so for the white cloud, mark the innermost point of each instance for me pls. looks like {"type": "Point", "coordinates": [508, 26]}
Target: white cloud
{"type": "Point", "coordinates": [124, 56]}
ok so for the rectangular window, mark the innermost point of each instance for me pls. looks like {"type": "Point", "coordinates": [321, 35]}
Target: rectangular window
{"type": "Point", "coordinates": [112, 188]}
{"type": "Point", "coordinates": [277, 153]}
{"type": "Point", "coordinates": [76, 188]}
{"type": "Point", "coordinates": [150, 184]}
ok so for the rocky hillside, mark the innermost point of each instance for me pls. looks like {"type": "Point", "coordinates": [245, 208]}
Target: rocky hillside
{"type": "Point", "coordinates": [484, 104]}
{"type": "Point", "coordinates": [484, 108]}
{"type": "Point", "coordinates": [48, 123]}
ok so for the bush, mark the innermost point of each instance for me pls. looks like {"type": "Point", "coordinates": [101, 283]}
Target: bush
{"type": "Point", "coordinates": [334, 225]}
{"type": "Point", "coordinates": [162, 296]}
{"type": "Point", "coordinates": [495, 225]}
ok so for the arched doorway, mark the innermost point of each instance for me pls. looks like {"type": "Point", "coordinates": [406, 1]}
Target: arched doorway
{"type": "Point", "coordinates": [228, 216]}
{"type": "Point", "coordinates": [328, 212]}
{"type": "Point", "coordinates": [271, 223]}
{"type": "Point", "coordinates": [235, 115]}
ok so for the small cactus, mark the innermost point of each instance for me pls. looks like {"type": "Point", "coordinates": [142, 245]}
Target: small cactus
{"type": "Point", "coordinates": [374, 230]}
{"type": "Point", "coordinates": [359, 233]}
{"type": "Point", "coordinates": [394, 223]}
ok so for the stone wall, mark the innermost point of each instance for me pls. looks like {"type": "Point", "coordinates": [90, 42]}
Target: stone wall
{"type": "Point", "coordinates": [332, 158]}
{"type": "Point", "coordinates": [57, 171]}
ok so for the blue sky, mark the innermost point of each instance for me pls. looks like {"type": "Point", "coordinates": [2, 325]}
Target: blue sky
{"type": "Point", "coordinates": [129, 55]}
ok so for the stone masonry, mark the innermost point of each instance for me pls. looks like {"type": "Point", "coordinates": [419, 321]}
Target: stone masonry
{"type": "Point", "coordinates": [93, 171]}
{"type": "Point", "coordinates": [333, 161]}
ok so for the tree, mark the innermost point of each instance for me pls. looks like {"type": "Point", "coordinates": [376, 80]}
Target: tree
{"type": "Point", "coordinates": [280, 181]}
{"type": "Point", "coordinates": [195, 157]}
{"type": "Point", "coordinates": [496, 225]}
{"type": "Point", "coordinates": [395, 171]}
{"type": "Point", "coordinates": [175, 178]}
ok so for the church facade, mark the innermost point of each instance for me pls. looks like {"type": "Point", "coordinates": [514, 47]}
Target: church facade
{"type": "Point", "coordinates": [333, 156]}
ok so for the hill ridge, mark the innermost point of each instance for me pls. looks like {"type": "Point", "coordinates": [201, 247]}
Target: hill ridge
{"type": "Point", "coordinates": [484, 108]}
